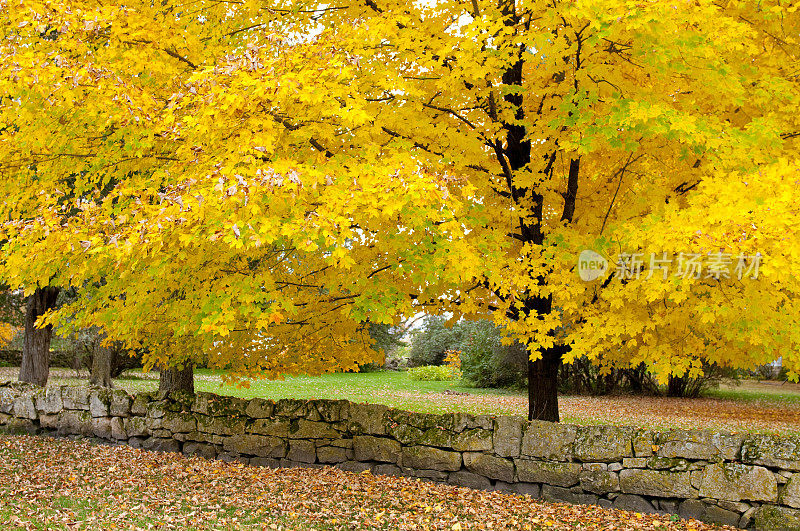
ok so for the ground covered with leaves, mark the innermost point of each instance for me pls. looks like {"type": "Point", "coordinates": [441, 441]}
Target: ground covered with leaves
{"type": "Point", "coordinates": [57, 483]}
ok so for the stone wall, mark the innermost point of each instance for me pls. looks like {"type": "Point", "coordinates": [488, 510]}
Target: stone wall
{"type": "Point", "coordinates": [742, 480]}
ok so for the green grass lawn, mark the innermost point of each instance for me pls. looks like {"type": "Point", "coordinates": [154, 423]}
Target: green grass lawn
{"type": "Point", "coordinates": [753, 391]}
{"type": "Point", "coordinates": [392, 388]}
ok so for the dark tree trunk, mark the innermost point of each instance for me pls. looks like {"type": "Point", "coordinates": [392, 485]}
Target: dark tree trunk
{"type": "Point", "coordinates": [172, 379]}
{"type": "Point", "coordinates": [543, 385]}
{"type": "Point", "coordinates": [676, 386]}
{"type": "Point", "coordinates": [102, 357]}
{"type": "Point", "coordinates": [35, 366]}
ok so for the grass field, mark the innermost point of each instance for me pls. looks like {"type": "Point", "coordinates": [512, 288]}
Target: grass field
{"type": "Point", "coordinates": [748, 407]}
{"type": "Point", "coordinates": [61, 484]}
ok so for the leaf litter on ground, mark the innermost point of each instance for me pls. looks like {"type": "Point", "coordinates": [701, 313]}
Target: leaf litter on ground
{"type": "Point", "coordinates": [58, 483]}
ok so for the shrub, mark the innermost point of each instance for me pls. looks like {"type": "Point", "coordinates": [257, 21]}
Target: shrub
{"type": "Point", "coordinates": [486, 362]}
{"type": "Point", "coordinates": [434, 373]}
{"type": "Point", "coordinates": [430, 343]}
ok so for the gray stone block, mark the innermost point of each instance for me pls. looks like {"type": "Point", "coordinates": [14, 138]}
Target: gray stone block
{"type": "Point", "coordinates": [771, 517]}
{"type": "Point", "coordinates": [217, 406]}
{"type": "Point", "coordinates": [485, 422]}
{"type": "Point", "coordinates": [699, 444]}
{"type": "Point", "coordinates": [790, 494]}
{"type": "Point", "coordinates": [265, 462]}
{"type": "Point", "coordinates": [208, 451]}
{"type": "Point", "coordinates": [772, 450]}
{"type": "Point", "coordinates": [259, 408]}
{"type": "Point", "coordinates": [474, 440]}
{"type": "Point", "coordinates": [643, 442]}
{"type": "Point", "coordinates": [406, 434]}
{"type": "Point", "coordinates": [387, 469]}
{"type": "Point", "coordinates": [507, 438]}
{"type": "Point", "coordinates": [302, 451]}
{"type": "Point", "coordinates": [333, 410]}
{"type": "Point", "coordinates": [273, 427]}
{"type": "Point", "coordinates": [257, 445]}
{"type": "Point", "coordinates": [179, 422]}
{"type": "Point", "coordinates": [546, 440]}
{"type": "Point", "coordinates": [534, 490]}
{"type": "Point", "coordinates": [75, 423]}
{"type": "Point", "coordinates": [354, 466]}
{"type": "Point", "coordinates": [736, 482]}
{"type": "Point", "coordinates": [502, 486]}
{"type": "Point", "coordinates": [692, 509]}
{"type": "Point", "coordinates": [657, 483]}
{"type": "Point", "coordinates": [24, 407]}
{"type": "Point", "coordinates": [603, 443]}
{"type": "Point", "coordinates": [49, 402]}
{"type": "Point", "coordinates": [427, 458]}
{"type": "Point", "coordinates": [307, 429]}
{"type": "Point", "coordinates": [290, 408]}
{"type": "Point", "coordinates": [489, 466]}
{"type": "Point", "coordinates": [368, 419]}
{"type": "Point", "coordinates": [332, 454]}
{"type": "Point", "coordinates": [120, 404]}
{"type": "Point", "coordinates": [75, 398]}
{"type": "Point", "coordinates": [100, 403]}
{"type": "Point", "coordinates": [631, 502]}
{"type": "Point", "coordinates": [559, 494]}
{"type": "Point", "coordinates": [136, 427]}
{"type": "Point", "coordinates": [118, 429]}
{"type": "Point", "coordinates": [718, 515]}
{"type": "Point", "coordinates": [430, 475]}
{"type": "Point", "coordinates": [220, 425]}
{"type": "Point", "coordinates": [368, 448]}
{"type": "Point", "coordinates": [668, 506]}
{"type": "Point", "coordinates": [161, 445]}
{"type": "Point", "coordinates": [50, 422]}
{"type": "Point", "coordinates": [464, 478]}
{"type": "Point", "coordinates": [634, 462]}
{"type": "Point", "coordinates": [746, 521]}
{"type": "Point", "coordinates": [552, 473]}
{"type": "Point", "coordinates": [599, 481]}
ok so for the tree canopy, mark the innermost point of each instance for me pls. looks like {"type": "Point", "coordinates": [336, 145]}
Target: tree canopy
{"type": "Point", "coordinates": [255, 180]}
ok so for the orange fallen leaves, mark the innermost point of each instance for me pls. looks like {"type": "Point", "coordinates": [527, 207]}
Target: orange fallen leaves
{"type": "Point", "coordinates": [171, 491]}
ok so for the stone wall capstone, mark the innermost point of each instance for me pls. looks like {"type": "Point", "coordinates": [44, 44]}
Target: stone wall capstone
{"type": "Point", "coordinates": [749, 481]}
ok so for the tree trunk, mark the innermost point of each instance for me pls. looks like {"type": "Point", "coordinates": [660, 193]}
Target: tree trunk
{"type": "Point", "coordinates": [101, 364]}
{"type": "Point", "coordinates": [676, 386]}
{"type": "Point", "coordinates": [543, 385]}
{"type": "Point", "coordinates": [172, 379]}
{"type": "Point", "coordinates": [35, 366]}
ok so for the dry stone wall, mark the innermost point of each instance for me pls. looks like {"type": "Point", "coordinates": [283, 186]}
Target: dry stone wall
{"type": "Point", "coordinates": [736, 479]}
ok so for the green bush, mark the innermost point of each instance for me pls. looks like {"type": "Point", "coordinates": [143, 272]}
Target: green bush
{"type": "Point", "coordinates": [486, 362]}
{"type": "Point", "coordinates": [434, 373]}
{"type": "Point", "coordinates": [430, 343]}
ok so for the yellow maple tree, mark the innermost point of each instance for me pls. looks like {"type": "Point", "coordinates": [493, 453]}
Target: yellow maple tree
{"type": "Point", "coordinates": [251, 182]}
